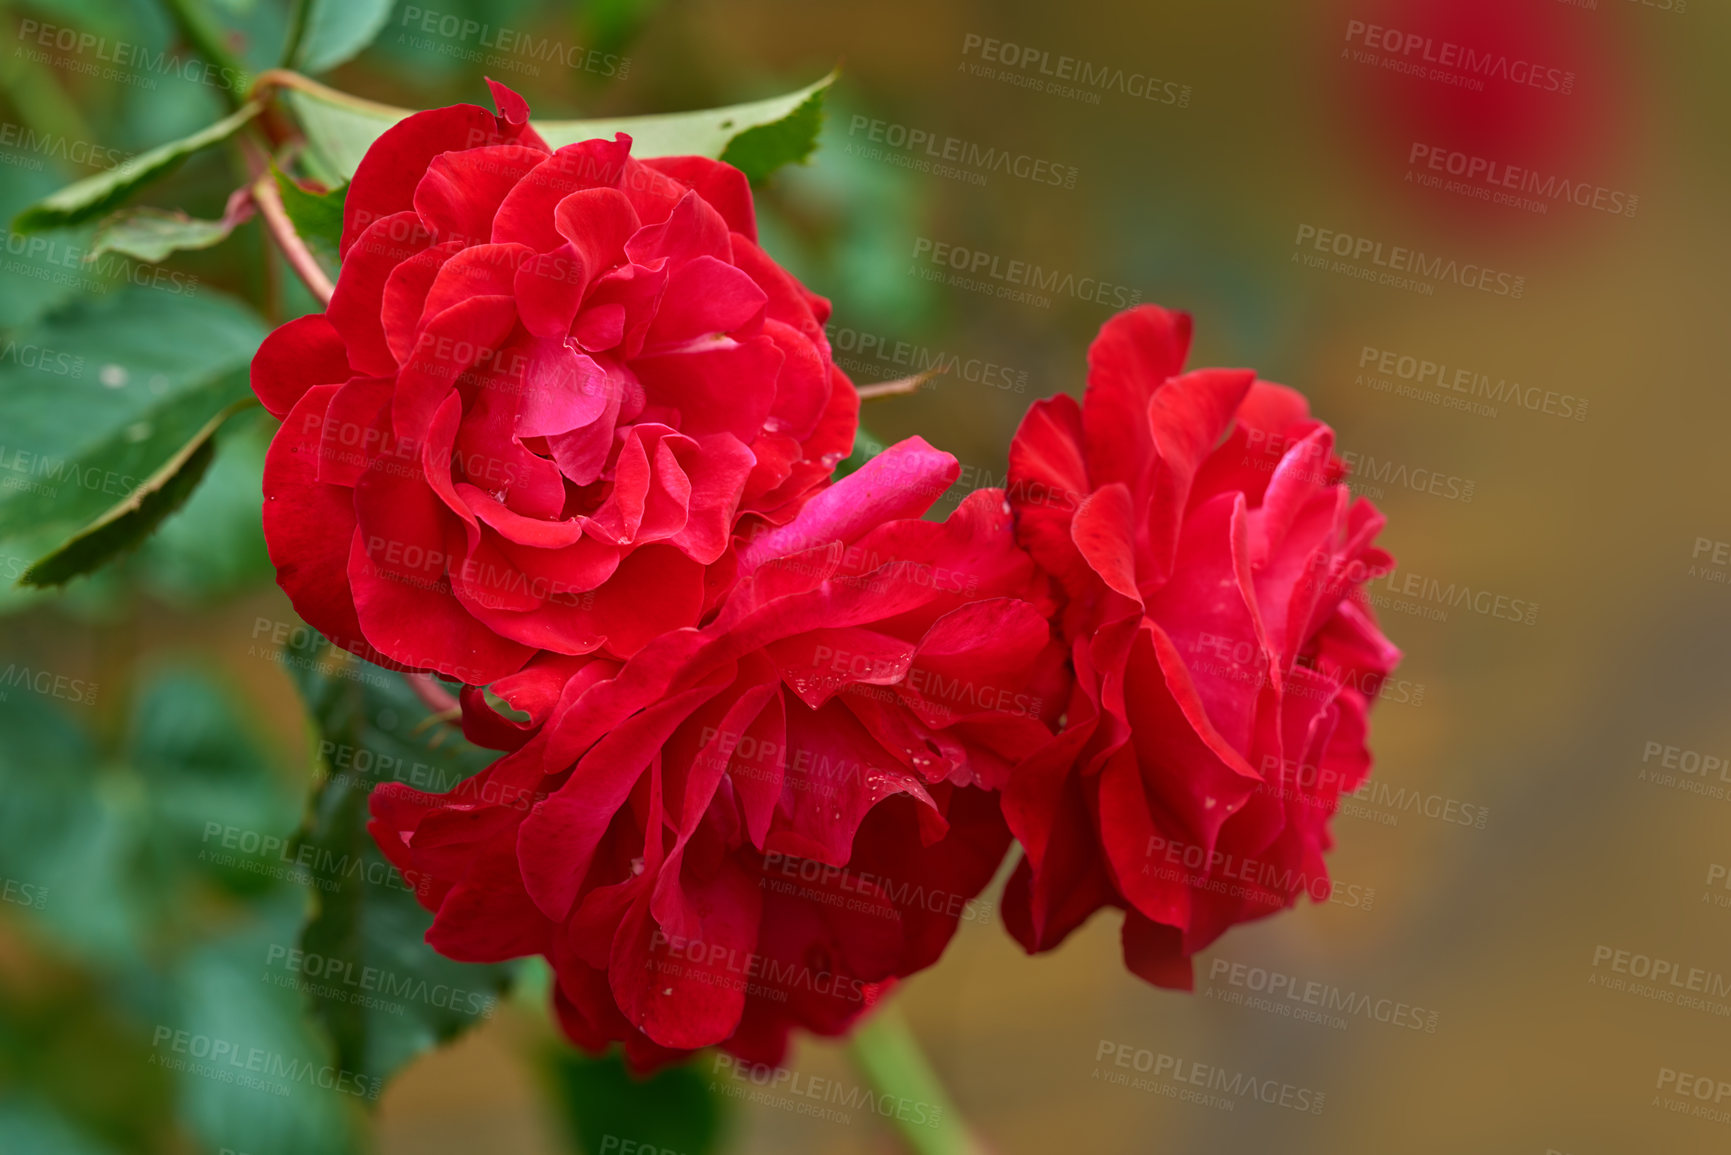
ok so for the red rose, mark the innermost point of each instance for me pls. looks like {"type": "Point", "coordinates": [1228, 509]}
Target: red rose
{"type": "Point", "coordinates": [549, 389]}
{"type": "Point", "coordinates": [761, 823]}
{"type": "Point", "coordinates": [1224, 652]}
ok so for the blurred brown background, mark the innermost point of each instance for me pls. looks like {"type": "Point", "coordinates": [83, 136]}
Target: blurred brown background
{"type": "Point", "coordinates": [1542, 727]}
{"type": "Point", "coordinates": [1551, 833]}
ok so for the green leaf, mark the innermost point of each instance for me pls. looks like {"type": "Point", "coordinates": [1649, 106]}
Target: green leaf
{"type": "Point", "coordinates": [709, 132]}
{"type": "Point", "coordinates": [131, 381]}
{"type": "Point", "coordinates": [371, 730]}
{"type": "Point", "coordinates": [317, 217]}
{"type": "Point", "coordinates": [865, 447]}
{"type": "Point", "coordinates": [213, 546]}
{"type": "Point", "coordinates": [759, 151]}
{"type": "Point", "coordinates": [337, 31]}
{"type": "Point", "coordinates": [151, 234]}
{"type": "Point", "coordinates": [280, 1090]}
{"type": "Point", "coordinates": [95, 195]}
{"type": "Point", "coordinates": [340, 128]}
{"type": "Point", "coordinates": [130, 522]}
{"type": "Point", "coordinates": [672, 1110]}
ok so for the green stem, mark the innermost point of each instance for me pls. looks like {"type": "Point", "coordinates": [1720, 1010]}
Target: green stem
{"type": "Point", "coordinates": [205, 37]}
{"type": "Point", "coordinates": [885, 1051]}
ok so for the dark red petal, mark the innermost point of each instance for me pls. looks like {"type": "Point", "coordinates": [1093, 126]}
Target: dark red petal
{"type": "Point", "coordinates": [357, 306]}
{"type": "Point", "coordinates": [309, 527]}
{"type": "Point", "coordinates": [1156, 953]}
{"type": "Point", "coordinates": [384, 182]}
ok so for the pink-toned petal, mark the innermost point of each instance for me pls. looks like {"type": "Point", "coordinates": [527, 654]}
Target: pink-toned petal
{"type": "Point", "coordinates": [901, 482]}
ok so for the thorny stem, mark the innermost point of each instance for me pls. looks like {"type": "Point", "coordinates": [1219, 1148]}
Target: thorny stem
{"type": "Point", "coordinates": [894, 388]}
{"type": "Point", "coordinates": [282, 230]}
{"type": "Point", "coordinates": [432, 695]}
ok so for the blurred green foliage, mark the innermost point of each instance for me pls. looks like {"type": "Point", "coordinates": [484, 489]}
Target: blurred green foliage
{"type": "Point", "coordinates": [186, 907]}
